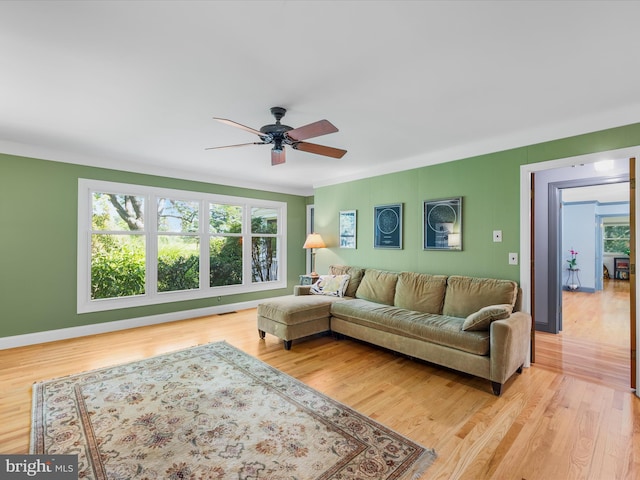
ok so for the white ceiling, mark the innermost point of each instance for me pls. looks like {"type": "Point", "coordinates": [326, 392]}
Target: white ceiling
{"type": "Point", "coordinates": [133, 85]}
{"type": "Point", "coordinates": [605, 193]}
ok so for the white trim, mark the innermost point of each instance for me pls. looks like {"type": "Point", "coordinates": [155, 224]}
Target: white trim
{"type": "Point", "coordinates": [106, 327]}
{"type": "Point", "coordinates": [525, 216]}
{"type": "Point", "coordinates": [310, 229]}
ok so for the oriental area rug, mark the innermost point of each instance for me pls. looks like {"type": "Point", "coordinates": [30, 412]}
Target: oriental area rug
{"type": "Point", "coordinates": [212, 412]}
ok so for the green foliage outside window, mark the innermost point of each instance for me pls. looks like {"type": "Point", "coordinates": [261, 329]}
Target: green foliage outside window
{"type": "Point", "coordinates": [178, 263]}
{"type": "Point", "coordinates": [617, 238]}
{"type": "Point", "coordinates": [118, 257]}
{"type": "Point", "coordinates": [117, 266]}
{"type": "Point", "coordinates": [264, 249]}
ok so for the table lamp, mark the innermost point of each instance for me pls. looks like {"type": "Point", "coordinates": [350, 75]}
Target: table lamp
{"type": "Point", "coordinates": [314, 240]}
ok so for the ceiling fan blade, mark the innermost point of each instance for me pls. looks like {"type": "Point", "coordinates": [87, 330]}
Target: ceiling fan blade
{"type": "Point", "coordinates": [319, 149]}
{"type": "Point", "coordinates": [277, 157]}
{"type": "Point", "coordinates": [239, 125]}
{"type": "Point", "coordinates": [321, 127]}
{"type": "Point", "coordinates": [237, 145]}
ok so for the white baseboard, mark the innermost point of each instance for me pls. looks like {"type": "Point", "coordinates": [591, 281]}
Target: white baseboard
{"type": "Point", "coordinates": [96, 328]}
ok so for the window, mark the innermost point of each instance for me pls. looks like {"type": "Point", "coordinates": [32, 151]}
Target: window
{"type": "Point", "coordinates": [225, 244]}
{"type": "Point", "coordinates": [617, 238]}
{"type": "Point", "coordinates": [140, 245]}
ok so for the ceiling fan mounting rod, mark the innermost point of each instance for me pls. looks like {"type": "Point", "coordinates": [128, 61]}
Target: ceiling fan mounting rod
{"type": "Point", "coordinates": [278, 112]}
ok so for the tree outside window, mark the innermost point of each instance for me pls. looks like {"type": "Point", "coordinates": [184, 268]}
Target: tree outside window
{"type": "Point", "coordinates": [225, 245]}
{"type": "Point", "coordinates": [178, 245]}
{"type": "Point", "coordinates": [160, 245]}
{"type": "Point", "coordinates": [617, 238]}
{"type": "Point", "coordinates": [118, 267]}
{"type": "Point", "coordinates": [264, 244]}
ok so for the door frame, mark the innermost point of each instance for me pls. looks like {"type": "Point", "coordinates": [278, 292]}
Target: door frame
{"type": "Point", "coordinates": [554, 266]}
{"type": "Point", "coordinates": [526, 173]}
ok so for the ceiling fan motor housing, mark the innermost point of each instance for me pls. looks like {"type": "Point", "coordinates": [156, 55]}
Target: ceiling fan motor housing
{"type": "Point", "coordinates": [277, 130]}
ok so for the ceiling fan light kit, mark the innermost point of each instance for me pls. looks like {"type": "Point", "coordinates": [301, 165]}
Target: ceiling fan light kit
{"type": "Point", "coordinates": [279, 135]}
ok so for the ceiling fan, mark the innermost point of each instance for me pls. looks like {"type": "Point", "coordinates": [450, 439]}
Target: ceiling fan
{"type": "Point", "coordinates": [280, 135]}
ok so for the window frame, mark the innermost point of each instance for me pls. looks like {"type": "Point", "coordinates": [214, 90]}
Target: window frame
{"type": "Point", "coordinates": [86, 189]}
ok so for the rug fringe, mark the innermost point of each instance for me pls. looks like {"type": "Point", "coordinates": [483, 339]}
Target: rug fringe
{"type": "Point", "coordinates": [420, 466]}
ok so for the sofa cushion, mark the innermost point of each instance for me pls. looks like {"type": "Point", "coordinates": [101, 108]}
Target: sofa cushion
{"type": "Point", "coordinates": [333, 285]}
{"type": "Point", "coordinates": [481, 320]}
{"type": "Point", "coordinates": [420, 292]}
{"type": "Point", "coordinates": [355, 277]}
{"type": "Point", "coordinates": [438, 329]}
{"type": "Point", "coordinates": [378, 286]}
{"type": "Point", "coordinates": [466, 295]}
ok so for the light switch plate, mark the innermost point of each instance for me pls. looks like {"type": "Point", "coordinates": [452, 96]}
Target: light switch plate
{"type": "Point", "coordinates": [497, 235]}
{"type": "Point", "coordinates": [513, 259]}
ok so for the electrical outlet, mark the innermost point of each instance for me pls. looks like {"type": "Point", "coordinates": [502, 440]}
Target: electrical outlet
{"type": "Point", "coordinates": [497, 235]}
{"type": "Point", "coordinates": [513, 259]}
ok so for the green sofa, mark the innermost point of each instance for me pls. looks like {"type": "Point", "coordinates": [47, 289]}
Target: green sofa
{"type": "Point", "coordinates": [472, 325]}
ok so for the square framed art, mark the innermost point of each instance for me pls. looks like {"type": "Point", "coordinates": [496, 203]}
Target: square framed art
{"type": "Point", "coordinates": [387, 226]}
{"type": "Point", "coordinates": [442, 224]}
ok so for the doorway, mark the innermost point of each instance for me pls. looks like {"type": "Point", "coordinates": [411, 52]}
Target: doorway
{"type": "Point", "coordinates": [594, 309]}
{"type": "Point", "coordinates": [574, 206]}
{"type": "Point", "coordinates": [535, 266]}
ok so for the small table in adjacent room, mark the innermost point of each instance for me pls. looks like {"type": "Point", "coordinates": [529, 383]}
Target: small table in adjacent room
{"type": "Point", "coordinates": [308, 279]}
{"type": "Point", "coordinates": [573, 279]}
{"type": "Point", "coordinates": [621, 268]}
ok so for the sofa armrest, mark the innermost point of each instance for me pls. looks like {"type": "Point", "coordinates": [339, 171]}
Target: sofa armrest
{"type": "Point", "coordinates": [510, 343]}
{"type": "Point", "coordinates": [301, 290]}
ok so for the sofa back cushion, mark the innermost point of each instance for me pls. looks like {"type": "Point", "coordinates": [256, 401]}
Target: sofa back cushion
{"type": "Point", "coordinates": [466, 295]}
{"type": "Point", "coordinates": [355, 277]}
{"type": "Point", "coordinates": [420, 292]}
{"type": "Point", "coordinates": [378, 286]}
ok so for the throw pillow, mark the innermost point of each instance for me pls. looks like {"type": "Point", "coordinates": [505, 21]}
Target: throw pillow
{"type": "Point", "coordinates": [355, 276]}
{"type": "Point", "coordinates": [332, 285]}
{"type": "Point", "coordinates": [481, 319]}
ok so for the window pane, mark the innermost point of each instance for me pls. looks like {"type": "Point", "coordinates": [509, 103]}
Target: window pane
{"type": "Point", "coordinates": [112, 211]}
{"type": "Point", "coordinates": [264, 220]}
{"type": "Point", "coordinates": [264, 259]}
{"type": "Point", "coordinates": [225, 218]}
{"type": "Point", "coordinates": [117, 266]}
{"type": "Point", "coordinates": [617, 238]}
{"type": "Point", "coordinates": [178, 263]}
{"type": "Point", "coordinates": [225, 261]}
{"type": "Point", "coordinates": [177, 216]}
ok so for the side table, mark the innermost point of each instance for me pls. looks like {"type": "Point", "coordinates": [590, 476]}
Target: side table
{"type": "Point", "coordinates": [308, 279]}
{"type": "Point", "coordinates": [573, 279]}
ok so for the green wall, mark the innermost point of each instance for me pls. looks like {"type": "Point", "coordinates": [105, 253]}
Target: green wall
{"type": "Point", "coordinates": [38, 222]}
{"type": "Point", "coordinates": [490, 187]}
{"type": "Point", "coordinates": [38, 225]}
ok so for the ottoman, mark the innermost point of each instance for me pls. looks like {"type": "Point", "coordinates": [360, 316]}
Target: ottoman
{"type": "Point", "coordinates": [294, 316]}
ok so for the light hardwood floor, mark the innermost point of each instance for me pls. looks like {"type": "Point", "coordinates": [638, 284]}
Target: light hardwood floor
{"type": "Point", "coordinates": [595, 337]}
{"type": "Point", "coordinates": [548, 423]}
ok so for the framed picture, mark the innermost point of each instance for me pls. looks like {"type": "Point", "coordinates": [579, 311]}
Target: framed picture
{"type": "Point", "coordinates": [387, 226]}
{"type": "Point", "coordinates": [442, 228]}
{"type": "Point", "coordinates": [348, 228]}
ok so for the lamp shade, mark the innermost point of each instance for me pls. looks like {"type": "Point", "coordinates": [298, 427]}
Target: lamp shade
{"type": "Point", "coordinates": [454, 240]}
{"type": "Point", "coordinates": [314, 240]}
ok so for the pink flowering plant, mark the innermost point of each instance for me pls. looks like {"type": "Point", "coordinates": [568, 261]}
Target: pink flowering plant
{"type": "Point", "coordinates": [573, 263]}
